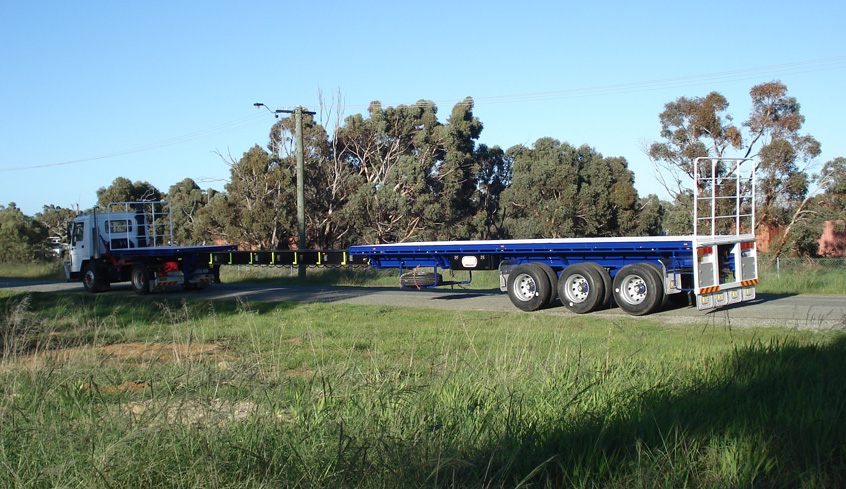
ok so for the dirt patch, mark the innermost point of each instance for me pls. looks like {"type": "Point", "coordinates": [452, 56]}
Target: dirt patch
{"type": "Point", "coordinates": [129, 386]}
{"type": "Point", "coordinates": [299, 372]}
{"type": "Point", "coordinates": [164, 352]}
{"type": "Point", "coordinates": [192, 412]}
{"type": "Point", "coordinates": [127, 353]}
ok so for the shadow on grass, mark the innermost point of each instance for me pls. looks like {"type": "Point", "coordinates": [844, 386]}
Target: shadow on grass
{"type": "Point", "coordinates": [772, 415]}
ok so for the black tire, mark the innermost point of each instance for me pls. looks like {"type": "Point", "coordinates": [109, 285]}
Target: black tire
{"type": "Point", "coordinates": [139, 278]}
{"type": "Point", "coordinates": [553, 283]}
{"type": "Point", "coordinates": [659, 271]}
{"type": "Point", "coordinates": [581, 288]}
{"type": "Point", "coordinates": [607, 285]}
{"type": "Point", "coordinates": [528, 287]}
{"type": "Point", "coordinates": [420, 279]}
{"type": "Point", "coordinates": [638, 289]}
{"type": "Point", "coordinates": [93, 278]}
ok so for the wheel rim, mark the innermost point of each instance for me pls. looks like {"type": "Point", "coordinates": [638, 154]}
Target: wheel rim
{"type": "Point", "coordinates": [525, 288]}
{"type": "Point", "coordinates": [633, 290]}
{"type": "Point", "coordinates": [576, 289]}
{"type": "Point", "coordinates": [89, 278]}
{"type": "Point", "coordinates": [138, 280]}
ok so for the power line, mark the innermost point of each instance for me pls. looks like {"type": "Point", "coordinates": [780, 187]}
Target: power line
{"type": "Point", "coordinates": [794, 68]}
{"type": "Point", "coordinates": [799, 67]}
{"type": "Point", "coordinates": [223, 128]}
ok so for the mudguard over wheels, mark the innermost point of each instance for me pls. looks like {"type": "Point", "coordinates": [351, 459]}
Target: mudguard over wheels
{"type": "Point", "coordinates": [638, 289]}
{"type": "Point", "coordinates": [528, 287]}
{"type": "Point", "coordinates": [581, 288]}
{"type": "Point", "coordinates": [94, 278]}
{"type": "Point", "coordinates": [139, 277]}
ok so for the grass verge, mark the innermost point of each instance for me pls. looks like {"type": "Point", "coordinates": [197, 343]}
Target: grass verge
{"type": "Point", "coordinates": [99, 391]}
{"type": "Point", "coordinates": [47, 270]}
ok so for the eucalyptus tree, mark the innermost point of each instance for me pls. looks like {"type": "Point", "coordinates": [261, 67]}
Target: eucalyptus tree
{"type": "Point", "coordinates": [492, 178]}
{"type": "Point", "coordinates": [258, 210]}
{"type": "Point", "coordinates": [186, 199]}
{"type": "Point", "coordinates": [125, 190]}
{"type": "Point", "coordinates": [559, 191]}
{"type": "Point", "coordinates": [702, 126]}
{"type": "Point", "coordinates": [22, 238]}
{"type": "Point", "coordinates": [393, 154]}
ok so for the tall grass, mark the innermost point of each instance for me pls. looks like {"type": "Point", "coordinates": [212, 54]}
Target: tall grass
{"type": "Point", "coordinates": [316, 395]}
{"type": "Point", "coordinates": [824, 276]}
{"type": "Point", "coordinates": [52, 270]}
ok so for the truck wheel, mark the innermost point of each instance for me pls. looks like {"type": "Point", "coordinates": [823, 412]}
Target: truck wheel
{"type": "Point", "coordinates": [139, 277]}
{"type": "Point", "coordinates": [638, 289]}
{"type": "Point", "coordinates": [528, 287]}
{"type": "Point", "coordinates": [93, 278]}
{"type": "Point", "coordinates": [581, 288]}
{"type": "Point", "coordinates": [553, 283]}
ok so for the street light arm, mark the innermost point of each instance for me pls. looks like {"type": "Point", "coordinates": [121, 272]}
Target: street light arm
{"type": "Point", "coordinates": [274, 112]}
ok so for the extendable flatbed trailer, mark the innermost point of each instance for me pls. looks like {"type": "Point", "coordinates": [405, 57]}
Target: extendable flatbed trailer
{"type": "Point", "coordinates": [715, 266]}
{"type": "Point", "coordinates": [639, 273]}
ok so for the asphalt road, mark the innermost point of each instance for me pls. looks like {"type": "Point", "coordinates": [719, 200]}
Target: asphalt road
{"type": "Point", "coordinates": [799, 312]}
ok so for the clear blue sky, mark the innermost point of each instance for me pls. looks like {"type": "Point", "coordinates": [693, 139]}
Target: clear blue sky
{"type": "Point", "coordinates": [92, 91]}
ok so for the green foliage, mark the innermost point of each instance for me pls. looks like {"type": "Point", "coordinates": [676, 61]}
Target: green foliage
{"type": "Point", "coordinates": [186, 201]}
{"type": "Point", "coordinates": [124, 190]}
{"type": "Point", "coordinates": [56, 220]}
{"type": "Point", "coordinates": [259, 209]}
{"type": "Point", "coordinates": [831, 203]}
{"type": "Point", "coordinates": [559, 191]}
{"type": "Point", "coordinates": [692, 128]}
{"type": "Point", "coordinates": [394, 154]}
{"type": "Point", "coordinates": [22, 238]}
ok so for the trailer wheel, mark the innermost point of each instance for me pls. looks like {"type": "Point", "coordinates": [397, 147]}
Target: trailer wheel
{"type": "Point", "coordinates": [581, 288]}
{"type": "Point", "coordinates": [607, 285]}
{"type": "Point", "coordinates": [638, 289]}
{"type": "Point", "coordinates": [553, 283]}
{"type": "Point", "coordinates": [660, 272]}
{"type": "Point", "coordinates": [528, 287]}
{"type": "Point", "coordinates": [139, 277]}
{"type": "Point", "coordinates": [93, 278]}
